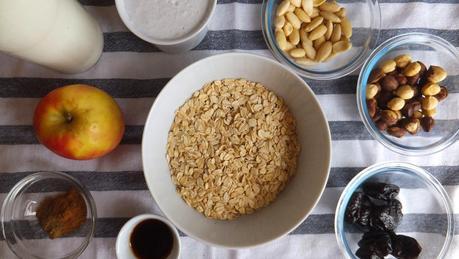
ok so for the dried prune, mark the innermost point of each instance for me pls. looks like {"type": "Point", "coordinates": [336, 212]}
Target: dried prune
{"type": "Point", "coordinates": [387, 217]}
{"type": "Point", "coordinates": [358, 211]}
{"type": "Point", "coordinates": [405, 247]}
{"type": "Point", "coordinates": [382, 191]}
{"type": "Point", "coordinates": [374, 244]}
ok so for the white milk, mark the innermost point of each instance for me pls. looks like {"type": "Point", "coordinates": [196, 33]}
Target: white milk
{"type": "Point", "coordinates": [166, 19]}
{"type": "Point", "coordinates": [58, 34]}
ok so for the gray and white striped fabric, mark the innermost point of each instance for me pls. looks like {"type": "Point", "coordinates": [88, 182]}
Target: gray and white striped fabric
{"type": "Point", "coordinates": [134, 72]}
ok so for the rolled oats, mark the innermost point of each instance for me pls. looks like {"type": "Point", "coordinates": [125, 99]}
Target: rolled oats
{"type": "Point", "coordinates": [232, 148]}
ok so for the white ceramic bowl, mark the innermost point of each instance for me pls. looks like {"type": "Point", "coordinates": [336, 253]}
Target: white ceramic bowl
{"type": "Point", "coordinates": [179, 45]}
{"type": "Point", "coordinates": [123, 248]}
{"type": "Point", "coordinates": [301, 194]}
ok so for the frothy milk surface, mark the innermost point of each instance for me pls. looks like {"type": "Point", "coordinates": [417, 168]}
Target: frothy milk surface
{"type": "Point", "coordinates": [166, 19]}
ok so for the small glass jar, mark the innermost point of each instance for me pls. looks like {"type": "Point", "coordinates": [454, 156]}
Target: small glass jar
{"type": "Point", "coordinates": [428, 215]}
{"type": "Point", "coordinates": [365, 16]}
{"type": "Point", "coordinates": [21, 229]}
{"type": "Point", "coordinates": [430, 50]}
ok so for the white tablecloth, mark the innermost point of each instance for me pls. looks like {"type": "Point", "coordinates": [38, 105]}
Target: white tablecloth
{"type": "Point", "coordinates": [134, 72]}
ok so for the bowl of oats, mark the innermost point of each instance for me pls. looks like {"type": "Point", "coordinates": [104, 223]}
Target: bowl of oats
{"type": "Point", "coordinates": [236, 150]}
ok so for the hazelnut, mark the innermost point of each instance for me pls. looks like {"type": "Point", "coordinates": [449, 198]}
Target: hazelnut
{"type": "Point", "coordinates": [396, 104]}
{"type": "Point", "coordinates": [429, 103]}
{"type": "Point", "coordinates": [442, 94]}
{"type": "Point", "coordinates": [405, 92]}
{"type": "Point", "coordinates": [383, 97]}
{"type": "Point", "coordinates": [423, 68]}
{"type": "Point", "coordinates": [412, 69]}
{"type": "Point", "coordinates": [427, 123]}
{"type": "Point", "coordinates": [372, 91]}
{"type": "Point", "coordinates": [430, 113]}
{"type": "Point", "coordinates": [401, 79]}
{"type": "Point", "coordinates": [381, 125]}
{"type": "Point", "coordinates": [389, 117]}
{"type": "Point", "coordinates": [389, 83]}
{"type": "Point", "coordinates": [388, 66]}
{"type": "Point", "coordinates": [402, 60]}
{"type": "Point", "coordinates": [411, 125]}
{"type": "Point", "coordinates": [396, 131]}
{"type": "Point", "coordinates": [430, 89]}
{"type": "Point", "coordinates": [413, 80]}
{"type": "Point", "coordinates": [410, 108]}
{"type": "Point", "coordinates": [436, 74]}
{"type": "Point", "coordinates": [371, 105]}
{"type": "Point", "coordinates": [375, 75]}
{"type": "Point", "coordinates": [377, 115]}
{"type": "Point", "coordinates": [417, 115]}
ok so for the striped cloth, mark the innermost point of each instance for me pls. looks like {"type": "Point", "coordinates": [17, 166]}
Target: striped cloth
{"type": "Point", "coordinates": [134, 72]}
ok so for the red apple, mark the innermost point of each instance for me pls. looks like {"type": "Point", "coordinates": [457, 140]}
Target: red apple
{"type": "Point", "coordinates": [79, 122]}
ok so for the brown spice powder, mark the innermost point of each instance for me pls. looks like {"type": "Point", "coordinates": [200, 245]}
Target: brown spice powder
{"type": "Point", "coordinates": [62, 214]}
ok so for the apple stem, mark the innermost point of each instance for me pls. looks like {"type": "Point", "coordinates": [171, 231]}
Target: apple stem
{"type": "Point", "coordinates": [68, 117]}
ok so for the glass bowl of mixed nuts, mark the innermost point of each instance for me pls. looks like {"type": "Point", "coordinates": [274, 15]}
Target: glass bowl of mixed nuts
{"type": "Point", "coordinates": [321, 39]}
{"type": "Point", "coordinates": [406, 94]}
{"type": "Point", "coordinates": [394, 210]}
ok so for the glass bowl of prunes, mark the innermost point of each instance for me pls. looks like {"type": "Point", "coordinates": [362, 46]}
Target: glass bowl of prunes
{"type": "Point", "coordinates": [394, 210]}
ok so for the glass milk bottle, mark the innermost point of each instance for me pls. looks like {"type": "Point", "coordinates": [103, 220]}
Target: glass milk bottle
{"type": "Point", "coordinates": [58, 34]}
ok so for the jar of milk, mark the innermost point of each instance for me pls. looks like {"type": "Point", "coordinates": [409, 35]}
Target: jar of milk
{"type": "Point", "coordinates": [58, 34]}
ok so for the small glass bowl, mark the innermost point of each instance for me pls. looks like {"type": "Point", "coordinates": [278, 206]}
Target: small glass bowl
{"type": "Point", "coordinates": [365, 17]}
{"type": "Point", "coordinates": [430, 50]}
{"type": "Point", "coordinates": [20, 227]}
{"type": "Point", "coordinates": [428, 215]}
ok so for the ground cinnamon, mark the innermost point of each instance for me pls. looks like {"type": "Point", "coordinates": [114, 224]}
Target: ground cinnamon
{"type": "Point", "coordinates": [62, 214]}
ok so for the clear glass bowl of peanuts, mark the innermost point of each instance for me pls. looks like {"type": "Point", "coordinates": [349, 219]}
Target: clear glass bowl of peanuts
{"type": "Point", "coordinates": [406, 94]}
{"type": "Point", "coordinates": [321, 39]}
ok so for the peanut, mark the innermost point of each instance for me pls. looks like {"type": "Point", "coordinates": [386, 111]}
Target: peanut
{"type": "Point", "coordinates": [329, 26]}
{"type": "Point", "coordinates": [294, 20]}
{"type": "Point", "coordinates": [324, 51]}
{"type": "Point", "coordinates": [301, 14]}
{"type": "Point", "coordinates": [336, 34]}
{"type": "Point", "coordinates": [282, 8]}
{"type": "Point", "coordinates": [281, 40]}
{"type": "Point", "coordinates": [430, 89]}
{"type": "Point", "coordinates": [346, 27]}
{"type": "Point", "coordinates": [405, 92]}
{"type": "Point", "coordinates": [297, 53]}
{"type": "Point", "coordinates": [330, 16]}
{"type": "Point", "coordinates": [288, 29]}
{"type": "Point", "coordinates": [341, 46]}
{"type": "Point", "coordinates": [296, 3]}
{"type": "Point", "coordinates": [318, 32]}
{"type": "Point", "coordinates": [330, 7]}
{"type": "Point", "coordinates": [314, 23]}
{"type": "Point", "coordinates": [294, 37]}
{"type": "Point", "coordinates": [342, 12]}
{"type": "Point", "coordinates": [388, 66]}
{"type": "Point", "coordinates": [310, 51]}
{"type": "Point", "coordinates": [372, 91]}
{"type": "Point", "coordinates": [402, 60]}
{"type": "Point", "coordinates": [307, 6]}
{"type": "Point", "coordinates": [429, 103]}
{"type": "Point", "coordinates": [396, 104]}
{"type": "Point", "coordinates": [317, 43]}
{"type": "Point", "coordinates": [315, 12]}
{"type": "Point", "coordinates": [436, 74]}
{"type": "Point", "coordinates": [412, 69]}
{"type": "Point", "coordinates": [279, 22]}
{"type": "Point", "coordinates": [430, 113]}
{"type": "Point", "coordinates": [318, 2]}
